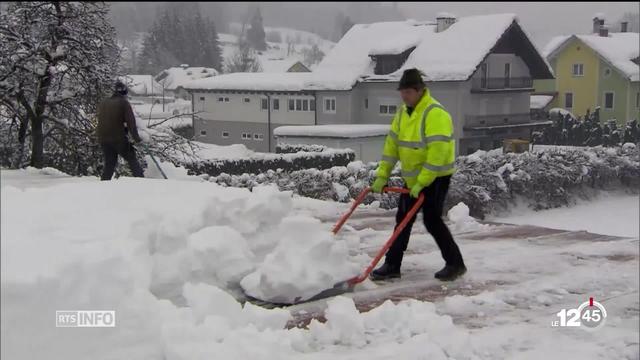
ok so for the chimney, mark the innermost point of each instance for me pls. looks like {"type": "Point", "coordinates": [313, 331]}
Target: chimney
{"type": "Point", "coordinates": [623, 26]}
{"type": "Point", "coordinates": [604, 31]}
{"type": "Point", "coordinates": [444, 20]}
{"type": "Point", "coordinates": [598, 21]}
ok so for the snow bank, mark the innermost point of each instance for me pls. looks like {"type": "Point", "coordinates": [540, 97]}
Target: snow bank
{"type": "Point", "coordinates": [160, 253]}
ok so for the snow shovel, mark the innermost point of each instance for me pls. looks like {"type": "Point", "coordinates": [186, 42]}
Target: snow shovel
{"type": "Point", "coordinates": [348, 285]}
{"type": "Point", "coordinates": [146, 149]}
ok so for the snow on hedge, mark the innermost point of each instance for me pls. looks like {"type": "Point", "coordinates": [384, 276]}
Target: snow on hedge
{"type": "Point", "coordinates": [487, 182]}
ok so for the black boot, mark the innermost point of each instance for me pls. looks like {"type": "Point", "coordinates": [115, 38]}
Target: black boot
{"type": "Point", "coordinates": [386, 271]}
{"type": "Point", "coordinates": [451, 272]}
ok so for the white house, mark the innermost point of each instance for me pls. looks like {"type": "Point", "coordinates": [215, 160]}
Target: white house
{"type": "Point", "coordinates": [479, 67]}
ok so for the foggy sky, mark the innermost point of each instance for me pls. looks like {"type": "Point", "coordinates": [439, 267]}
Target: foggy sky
{"type": "Point", "coordinates": [541, 20]}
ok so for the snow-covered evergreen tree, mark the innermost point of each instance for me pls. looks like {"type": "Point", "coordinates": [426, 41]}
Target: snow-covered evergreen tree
{"type": "Point", "coordinates": [256, 34]}
{"type": "Point", "coordinates": [243, 60]}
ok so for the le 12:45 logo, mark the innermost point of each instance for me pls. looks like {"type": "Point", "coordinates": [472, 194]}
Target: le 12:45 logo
{"type": "Point", "coordinates": [589, 315]}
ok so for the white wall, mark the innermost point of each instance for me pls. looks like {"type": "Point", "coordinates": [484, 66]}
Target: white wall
{"type": "Point", "coordinates": [236, 109]}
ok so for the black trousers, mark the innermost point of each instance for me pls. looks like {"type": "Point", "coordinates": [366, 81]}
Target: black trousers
{"type": "Point", "coordinates": [434, 196]}
{"type": "Point", "coordinates": [124, 149]}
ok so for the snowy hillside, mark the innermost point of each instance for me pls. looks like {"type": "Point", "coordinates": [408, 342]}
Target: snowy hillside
{"type": "Point", "coordinates": [167, 257]}
{"type": "Point", "coordinates": [276, 57]}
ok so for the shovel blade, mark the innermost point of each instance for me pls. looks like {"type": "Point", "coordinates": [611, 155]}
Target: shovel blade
{"type": "Point", "coordinates": [339, 288]}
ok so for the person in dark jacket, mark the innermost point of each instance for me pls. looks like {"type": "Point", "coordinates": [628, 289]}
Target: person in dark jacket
{"type": "Point", "coordinates": [115, 119]}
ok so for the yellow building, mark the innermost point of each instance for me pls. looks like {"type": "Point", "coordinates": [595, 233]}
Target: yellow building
{"type": "Point", "coordinates": [595, 70]}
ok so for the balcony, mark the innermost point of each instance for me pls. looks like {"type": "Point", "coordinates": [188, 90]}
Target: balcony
{"type": "Point", "coordinates": [497, 84]}
{"type": "Point", "coordinates": [500, 124]}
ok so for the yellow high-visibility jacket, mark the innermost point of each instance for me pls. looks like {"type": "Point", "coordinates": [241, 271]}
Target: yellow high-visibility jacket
{"type": "Point", "coordinates": [423, 143]}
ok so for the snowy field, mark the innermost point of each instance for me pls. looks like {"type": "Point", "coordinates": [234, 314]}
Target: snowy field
{"type": "Point", "coordinates": [170, 257]}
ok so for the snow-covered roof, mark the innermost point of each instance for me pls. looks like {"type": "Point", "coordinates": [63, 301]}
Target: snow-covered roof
{"type": "Point", "coordinates": [174, 77]}
{"type": "Point", "coordinates": [618, 49]}
{"type": "Point", "coordinates": [141, 84]}
{"type": "Point", "coordinates": [540, 101]}
{"type": "Point", "coordinates": [262, 81]}
{"type": "Point", "coordinates": [450, 55]}
{"type": "Point", "coordinates": [339, 131]}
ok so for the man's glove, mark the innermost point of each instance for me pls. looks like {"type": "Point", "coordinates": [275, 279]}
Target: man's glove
{"type": "Point", "coordinates": [415, 190]}
{"type": "Point", "coordinates": [378, 185]}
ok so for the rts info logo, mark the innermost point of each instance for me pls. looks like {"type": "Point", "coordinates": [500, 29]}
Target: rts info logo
{"type": "Point", "coordinates": [590, 315]}
{"type": "Point", "coordinates": [86, 318]}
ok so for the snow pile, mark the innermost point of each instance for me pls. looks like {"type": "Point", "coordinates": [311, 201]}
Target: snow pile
{"type": "Point", "coordinates": [461, 221]}
{"type": "Point", "coordinates": [160, 253]}
{"type": "Point", "coordinates": [306, 261]}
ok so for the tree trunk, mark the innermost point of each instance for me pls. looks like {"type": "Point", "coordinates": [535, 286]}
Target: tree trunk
{"type": "Point", "coordinates": [37, 143]}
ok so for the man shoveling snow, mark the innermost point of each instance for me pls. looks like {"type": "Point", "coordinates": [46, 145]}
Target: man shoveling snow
{"type": "Point", "coordinates": [421, 138]}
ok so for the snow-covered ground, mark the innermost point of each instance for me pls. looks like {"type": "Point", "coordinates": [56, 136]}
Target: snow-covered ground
{"type": "Point", "coordinates": [168, 256]}
{"type": "Point", "coordinates": [610, 214]}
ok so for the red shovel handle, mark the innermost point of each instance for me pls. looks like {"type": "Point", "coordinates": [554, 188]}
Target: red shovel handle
{"type": "Point", "coordinates": [414, 209]}
{"type": "Point", "coordinates": [359, 201]}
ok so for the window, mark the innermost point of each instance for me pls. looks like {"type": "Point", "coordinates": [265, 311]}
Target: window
{"type": "Point", "coordinates": [608, 100]}
{"type": "Point", "coordinates": [330, 105]}
{"type": "Point", "coordinates": [484, 73]}
{"type": "Point", "coordinates": [201, 98]}
{"type": "Point", "coordinates": [366, 103]}
{"type": "Point", "coordinates": [276, 104]}
{"type": "Point", "coordinates": [246, 136]}
{"type": "Point", "coordinates": [568, 100]}
{"type": "Point", "coordinates": [247, 100]}
{"type": "Point", "coordinates": [578, 70]}
{"type": "Point", "coordinates": [387, 107]}
{"type": "Point", "coordinates": [507, 75]}
{"type": "Point", "coordinates": [299, 104]}
{"type": "Point", "coordinates": [220, 99]}
{"type": "Point", "coordinates": [264, 104]}
{"type": "Point", "coordinates": [226, 99]}
{"type": "Point", "coordinates": [203, 132]}
{"type": "Point", "coordinates": [258, 137]}
{"type": "Point", "coordinates": [225, 134]}
{"type": "Point", "coordinates": [607, 72]}
{"type": "Point", "coordinates": [638, 100]}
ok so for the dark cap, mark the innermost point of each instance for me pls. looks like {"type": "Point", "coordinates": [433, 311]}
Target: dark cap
{"type": "Point", "coordinates": [411, 79]}
{"type": "Point", "coordinates": [121, 88]}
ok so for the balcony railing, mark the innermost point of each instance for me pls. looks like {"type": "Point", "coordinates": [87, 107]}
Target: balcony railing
{"type": "Point", "coordinates": [495, 83]}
